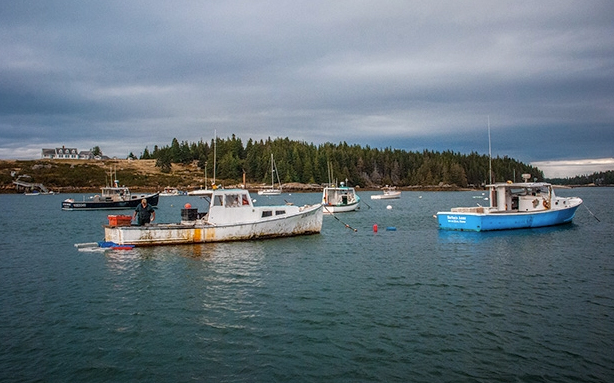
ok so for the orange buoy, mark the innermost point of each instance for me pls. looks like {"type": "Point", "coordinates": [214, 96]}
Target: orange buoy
{"type": "Point", "coordinates": [187, 205]}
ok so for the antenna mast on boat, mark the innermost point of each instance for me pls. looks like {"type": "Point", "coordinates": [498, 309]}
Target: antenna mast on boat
{"type": "Point", "coordinates": [489, 155]}
{"type": "Point", "coordinates": [214, 153]}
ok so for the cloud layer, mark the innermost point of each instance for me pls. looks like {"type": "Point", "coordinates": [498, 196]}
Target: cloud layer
{"type": "Point", "coordinates": [125, 75]}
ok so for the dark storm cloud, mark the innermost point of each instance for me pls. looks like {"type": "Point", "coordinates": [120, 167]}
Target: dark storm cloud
{"type": "Point", "coordinates": [124, 75]}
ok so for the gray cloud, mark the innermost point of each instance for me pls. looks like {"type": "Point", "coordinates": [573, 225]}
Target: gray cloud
{"type": "Point", "coordinates": [125, 75]}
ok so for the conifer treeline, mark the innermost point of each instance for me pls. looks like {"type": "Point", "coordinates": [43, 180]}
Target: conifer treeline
{"type": "Point", "coordinates": [302, 162]}
{"type": "Point", "coordinates": [597, 178]}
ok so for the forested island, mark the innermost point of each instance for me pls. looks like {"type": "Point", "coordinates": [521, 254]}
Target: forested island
{"type": "Point", "coordinates": [307, 163]}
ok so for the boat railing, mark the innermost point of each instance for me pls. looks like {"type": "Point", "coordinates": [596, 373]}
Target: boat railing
{"type": "Point", "coordinates": [475, 209]}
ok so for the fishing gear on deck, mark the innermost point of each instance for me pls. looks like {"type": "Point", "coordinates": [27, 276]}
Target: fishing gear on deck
{"type": "Point", "coordinates": [345, 224]}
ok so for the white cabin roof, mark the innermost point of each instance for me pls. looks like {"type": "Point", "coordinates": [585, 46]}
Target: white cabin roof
{"type": "Point", "coordinates": [520, 184]}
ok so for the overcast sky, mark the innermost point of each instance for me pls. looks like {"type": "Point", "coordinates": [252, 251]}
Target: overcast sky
{"type": "Point", "coordinates": [409, 75]}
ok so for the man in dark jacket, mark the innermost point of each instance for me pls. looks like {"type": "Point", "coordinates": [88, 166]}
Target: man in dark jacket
{"type": "Point", "coordinates": [145, 212]}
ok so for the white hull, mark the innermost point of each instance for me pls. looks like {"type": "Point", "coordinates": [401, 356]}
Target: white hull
{"type": "Point", "coordinates": [270, 192]}
{"type": "Point", "coordinates": [387, 195]}
{"type": "Point", "coordinates": [200, 192]}
{"type": "Point", "coordinates": [225, 222]}
{"type": "Point", "coordinates": [171, 193]}
{"type": "Point", "coordinates": [329, 209]}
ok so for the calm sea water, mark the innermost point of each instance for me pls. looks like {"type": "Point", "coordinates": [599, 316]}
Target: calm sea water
{"type": "Point", "coordinates": [411, 305]}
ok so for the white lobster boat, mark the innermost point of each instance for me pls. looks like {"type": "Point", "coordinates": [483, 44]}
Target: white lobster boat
{"type": "Point", "coordinates": [340, 199]}
{"type": "Point", "coordinates": [231, 217]}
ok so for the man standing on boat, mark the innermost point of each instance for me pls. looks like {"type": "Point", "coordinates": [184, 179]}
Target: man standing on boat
{"type": "Point", "coordinates": [145, 212]}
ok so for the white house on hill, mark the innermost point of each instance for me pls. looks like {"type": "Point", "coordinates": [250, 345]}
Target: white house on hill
{"type": "Point", "coordinates": [69, 153]}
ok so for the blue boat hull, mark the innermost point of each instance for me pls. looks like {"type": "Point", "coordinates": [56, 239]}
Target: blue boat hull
{"type": "Point", "coordinates": [504, 221]}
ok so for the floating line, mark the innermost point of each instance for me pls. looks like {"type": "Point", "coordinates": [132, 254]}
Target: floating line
{"type": "Point", "coordinates": [589, 210]}
{"type": "Point", "coordinates": [345, 224]}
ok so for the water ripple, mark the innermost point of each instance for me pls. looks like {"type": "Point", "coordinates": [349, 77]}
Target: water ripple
{"type": "Point", "coordinates": [413, 305]}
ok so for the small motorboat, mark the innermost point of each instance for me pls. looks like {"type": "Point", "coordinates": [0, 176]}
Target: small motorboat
{"type": "Point", "coordinates": [112, 197]}
{"type": "Point", "coordinates": [387, 193]}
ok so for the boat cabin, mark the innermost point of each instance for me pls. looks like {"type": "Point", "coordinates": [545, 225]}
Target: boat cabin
{"type": "Point", "coordinates": [342, 195]}
{"type": "Point", "coordinates": [116, 193]}
{"type": "Point", "coordinates": [231, 198]}
{"type": "Point", "coordinates": [520, 197]}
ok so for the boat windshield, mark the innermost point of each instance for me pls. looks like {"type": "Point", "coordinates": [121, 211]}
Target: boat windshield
{"type": "Point", "coordinates": [528, 190]}
{"type": "Point", "coordinates": [115, 191]}
{"type": "Point", "coordinates": [232, 200]}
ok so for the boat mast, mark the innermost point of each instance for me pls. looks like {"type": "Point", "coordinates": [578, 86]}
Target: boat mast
{"type": "Point", "coordinates": [330, 173]}
{"type": "Point", "coordinates": [214, 153]}
{"type": "Point", "coordinates": [489, 155]}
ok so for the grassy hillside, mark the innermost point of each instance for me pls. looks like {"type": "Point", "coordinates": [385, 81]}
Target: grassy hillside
{"type": "Point", "coordinates": [139, 175]}
{"type": "Point", "coordinates": [80, 175]}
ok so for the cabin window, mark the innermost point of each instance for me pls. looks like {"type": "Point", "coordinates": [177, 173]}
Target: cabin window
{"type": "Point", "coordinates": [515, 202]}
{"type": "Point", "coordinates": [232, 200]}
{"type": "Point", "coordinates": [217, 200]}
{"type": "Point", "coordinates": [267, 213]}
{"type": "Point", "coordinates": [280, 212]}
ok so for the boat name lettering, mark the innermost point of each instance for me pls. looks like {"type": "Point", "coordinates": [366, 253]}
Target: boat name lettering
{"type": "Point", "coordinates": [457, 219]}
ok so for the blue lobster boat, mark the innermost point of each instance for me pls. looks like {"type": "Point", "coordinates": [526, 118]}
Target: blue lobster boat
{"type": "Point", "coordinates": [513, 206]}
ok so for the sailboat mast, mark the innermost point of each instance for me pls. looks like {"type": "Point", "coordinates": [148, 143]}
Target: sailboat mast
{"type": "Point", "coordinates": [272, 170]}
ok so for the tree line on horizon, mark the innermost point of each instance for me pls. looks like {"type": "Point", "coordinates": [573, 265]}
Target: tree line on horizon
{"type": "Point", "coordinates": [597, 179]}
{"type": "Point", "coordinates": [302, 162]}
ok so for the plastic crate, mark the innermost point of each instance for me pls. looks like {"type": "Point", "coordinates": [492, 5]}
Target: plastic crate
{"type": "Point", "coordinates": [120, 220]}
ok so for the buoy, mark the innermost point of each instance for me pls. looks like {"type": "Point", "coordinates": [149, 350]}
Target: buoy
{"type": "Point", "coordinates": [389, 207]}
{"type": "Point", "coordinates": [187, 205]}
{"type": "Point", "coordinates": [391, 228]}
{"type": "Point", "coordinates": [375, 228]}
